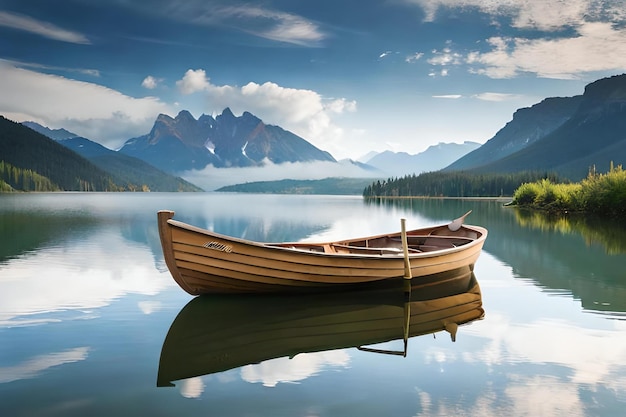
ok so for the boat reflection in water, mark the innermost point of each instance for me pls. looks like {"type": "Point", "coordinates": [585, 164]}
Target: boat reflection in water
{"type": "Point", "coordinates": [215, 333]}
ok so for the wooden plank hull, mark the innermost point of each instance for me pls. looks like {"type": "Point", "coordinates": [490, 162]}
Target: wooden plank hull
{"type": "Point", "coordinates": [215, 333]}
{"type": "Point", "coordinates": [205, 262]}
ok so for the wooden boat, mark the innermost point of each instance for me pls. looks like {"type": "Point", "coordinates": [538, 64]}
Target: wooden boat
{"type": "Point", "coordinates": [202, 261]}
{"type": "Point", "coordinates": [215, 333]}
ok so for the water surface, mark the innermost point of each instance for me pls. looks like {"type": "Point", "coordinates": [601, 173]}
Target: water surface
{"type": "Point", "coordinates": [86, 303]}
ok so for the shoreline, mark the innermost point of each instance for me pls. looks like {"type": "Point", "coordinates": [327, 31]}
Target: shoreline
{"type": "Point", "coordinates": [502, 199]}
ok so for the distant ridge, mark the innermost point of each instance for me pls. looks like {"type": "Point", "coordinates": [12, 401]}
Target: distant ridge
{"type": "Point", "coordinates": [567, 136]}
{"type": "Point", "coordinates": [328, 186]}
{"type": "Point", "coordinates": [56, 134]}
{"type": "Point", "coordinates": [134, 173]}
{"type": "Point", "coordinates": [33, 153]}
{"type": "Point", "coordinates": [434, 158]}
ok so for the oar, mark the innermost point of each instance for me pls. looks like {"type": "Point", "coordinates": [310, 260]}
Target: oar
{"type": "Point", "coordinates": [457, 223]}
{"type": "Point", "coordinates": [406, 321]}
{"type": "Point", "coordinates": [407, 286]}
{"type": "Point", "coordinates": [407, 314]}
{"type": "Point", "coordinates": [405, 248]}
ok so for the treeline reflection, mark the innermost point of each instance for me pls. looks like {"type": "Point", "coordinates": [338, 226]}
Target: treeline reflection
{"type": "Point", "coordinates": [608, 233]}
{"type": "Point", "coordinates": [581, 256]}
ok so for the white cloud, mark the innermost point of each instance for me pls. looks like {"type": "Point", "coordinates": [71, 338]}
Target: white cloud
{"type": "Point", "coordinates": [20, 64]}
{"type": "Point", "coordinates": [598, 43]}
{"type": "Point", "coordinates": [303, 112]}
{"type": "Point", "coordinates": [45, 29]}
{"type": "Point", "coordinates": [90, 110]}
{"type": "Point", "coordinates": [414, 57]}
{"type": "Point", "coordinates": [449, 96]}
{"type": "Point", "coordinates": [211, 178]}
{"type": "Point", "coordinates": [547, 15]}
{"type": "Point", "coordinates": [193, 81]}
{"type": "Point", "coordinates": [441, 73]}
{"type": "Point", "coordinates": [598, 47]}
{"type": "Point", "coordinates": [445, 56]}
{"type": "Point", "coordinates": [496, 96]}
{"type": "Point", "coordinates": [255, 20]}
{"type": "Point", "coordinates": [292, 29]}
{"type": "Point", "coordinates": [151, 82]}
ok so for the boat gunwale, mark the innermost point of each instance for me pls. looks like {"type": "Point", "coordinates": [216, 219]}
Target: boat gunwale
{"type": "Point", "coordinates": [284, 246]}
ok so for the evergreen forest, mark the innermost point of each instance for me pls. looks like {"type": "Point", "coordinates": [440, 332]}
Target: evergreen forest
{"type": "Point", "coordinates": [454, 184]}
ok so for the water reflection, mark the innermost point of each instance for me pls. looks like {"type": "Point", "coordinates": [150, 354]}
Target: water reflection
{"type": "Point", "coordinates": [67, 282]}
{"type": "Point", "coordinates": [595, 231]}
{"type": "Point", "coordinates": [30, 222]}
{"type": "Point", "coordinates": [216, 333]}
{"type": "Point", "coordinates": [580, 258]}
{"type": "Point", "coordinates": [90, 268]}
{"type": "Point", "coordinates": [25, 232]}
{"type": "Point", "coordinates": [553, 358]}
{"type": "Point", "coordinates": [34, 366]}
{"type": "Point", "coordinates": [64, 254]}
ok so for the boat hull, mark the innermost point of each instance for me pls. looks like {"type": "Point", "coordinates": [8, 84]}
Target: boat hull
{"type": "Point", "coordinates": [205, 262]}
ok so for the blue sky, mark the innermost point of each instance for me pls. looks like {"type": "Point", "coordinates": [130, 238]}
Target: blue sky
{"type": "Point", "coordinates": [349, 76]}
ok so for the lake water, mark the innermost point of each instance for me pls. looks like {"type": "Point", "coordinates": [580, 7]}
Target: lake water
{"type": "Point", "coordinates": [86, 302]}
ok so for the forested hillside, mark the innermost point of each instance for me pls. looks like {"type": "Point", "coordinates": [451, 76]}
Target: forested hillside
{"type": "Point", "coordinates": [124, 169]}
{"type": "Point", "coordinates": [31, 160]}
{"type": "Point", "coordinates": [32, 157]}
{"type": "Point", "coordinates": [14, 178]}
{"type": "Point", "coordinates": [329, 186]}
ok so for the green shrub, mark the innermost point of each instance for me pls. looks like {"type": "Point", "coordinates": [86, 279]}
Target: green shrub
{"type": "Point", "coordinates": [603, 194]}
{"type": "Point", "coordinates": [526, 194]}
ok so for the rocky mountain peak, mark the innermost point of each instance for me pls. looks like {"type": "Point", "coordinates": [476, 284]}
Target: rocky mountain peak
{"type": "Point", "coordinates": [184, 116]}
{"type": "Point", "coordinates": [611, 88]}
{"type": "Point", "coordinates": [226, 114]}
{"type": "Point", "coordinates": [185, 143]}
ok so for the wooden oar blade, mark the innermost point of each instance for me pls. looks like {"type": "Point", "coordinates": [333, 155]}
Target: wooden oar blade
{"type": "Point", "coordinates": [457, 223]}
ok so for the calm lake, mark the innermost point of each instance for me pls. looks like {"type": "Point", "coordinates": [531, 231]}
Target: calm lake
{"type": "Point", "coordinates": [86, 303]}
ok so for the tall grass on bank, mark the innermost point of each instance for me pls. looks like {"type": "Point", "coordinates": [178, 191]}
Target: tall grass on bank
{"type": "Point", "coordinates": [600, 194]}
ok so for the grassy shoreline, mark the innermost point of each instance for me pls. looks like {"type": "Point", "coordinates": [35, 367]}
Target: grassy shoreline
{"type": "Point", "coordinates": [598, 194]}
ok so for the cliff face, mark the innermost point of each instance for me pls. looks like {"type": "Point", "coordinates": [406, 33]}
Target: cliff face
{"type": "Point", "coordinates": [592, 135]}
{"type": "Point", "coordinates": [529, 125]}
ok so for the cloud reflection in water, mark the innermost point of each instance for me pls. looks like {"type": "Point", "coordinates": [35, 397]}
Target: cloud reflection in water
{"type": "Point", "coordinates": [31, 368]}
{"type": "Point", "coordinates": [79, 276]}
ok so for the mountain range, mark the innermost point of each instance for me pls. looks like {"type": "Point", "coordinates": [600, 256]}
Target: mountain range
{"type": "Point", "coordinates": [434, 158]}
{"type": "Point", "coordinates": [184, 143]}
{"type": "Point", "coordinates": [569, 136]}
{"type": "Point", "coordinates": [74, 163]}
{"type": "Point", "coordinates": [566, 135]}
